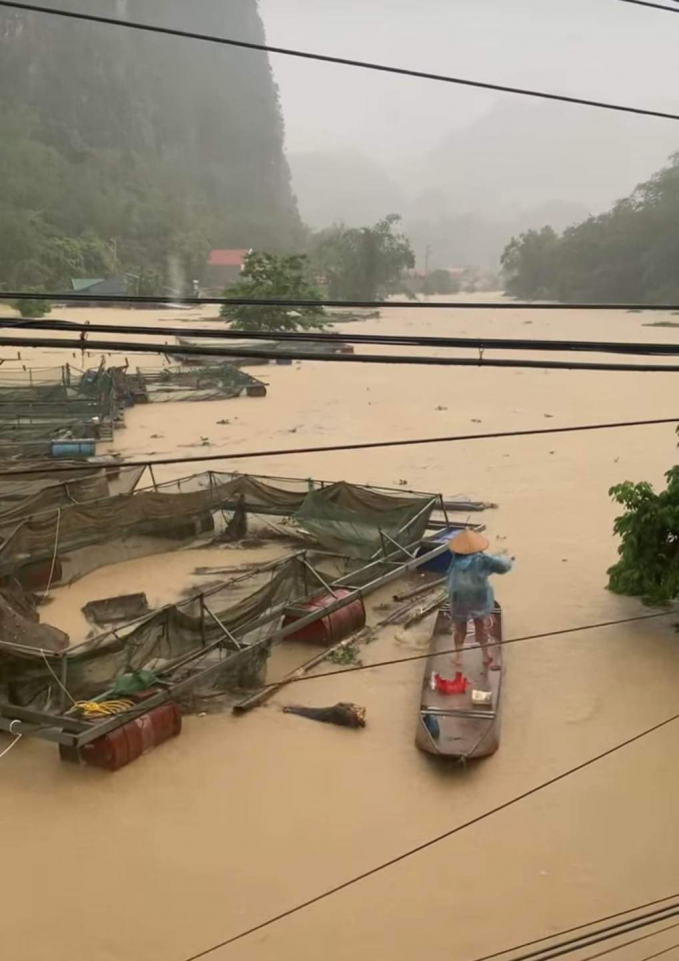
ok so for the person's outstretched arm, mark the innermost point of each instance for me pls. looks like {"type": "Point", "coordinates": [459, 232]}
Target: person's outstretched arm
{"type": "Point", "coordinates": [498, 563]}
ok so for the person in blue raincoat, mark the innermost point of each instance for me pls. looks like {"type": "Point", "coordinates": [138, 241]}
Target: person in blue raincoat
{"type": "Point", "coordinates": [471, 594]}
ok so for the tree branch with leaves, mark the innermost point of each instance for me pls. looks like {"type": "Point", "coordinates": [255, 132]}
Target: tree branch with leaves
{"type": "Point", "coordinates": [271, 277]}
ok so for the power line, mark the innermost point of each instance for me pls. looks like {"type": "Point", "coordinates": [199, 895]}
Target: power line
{"type": "Point", "coordinates": [605, 934]}
{"type": "Point", "coordinates": [577, 944]}
{"type": "Point", "coordinates": [430, 843]}
{"type": "Point", "coordinates": [588, 924]}
{"type": "Point", "coordinates": [332, 337]}
{"type": "Point", "coordinates": [619, 947]}
{"type": "Point", "coordinates": [471, 647]}
{"type": "Point", "coordinates": [332, 448]}
{"type": "Point", "coordinates": [340, 61]}
{"type": "Point", "coordinates": [179, 301]}
{"type": "Point", "coordinates": [649, 3]}
{"type": "Point", "coordinates": [649, 957]}
{"type": "Point", "coordinates": [103, 346]}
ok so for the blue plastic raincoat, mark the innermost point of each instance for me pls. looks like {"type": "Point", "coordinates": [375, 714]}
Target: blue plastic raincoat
{"type": "Point", "coordinates": [471, 595]}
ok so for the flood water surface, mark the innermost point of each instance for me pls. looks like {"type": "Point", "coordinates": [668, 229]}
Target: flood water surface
{"type": "Point", "coordinates": [240, 819]}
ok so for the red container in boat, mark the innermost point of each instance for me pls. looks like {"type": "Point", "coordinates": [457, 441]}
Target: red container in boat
{"type": "Point", "coordinates": [333, 627]}
{"type": "Point", "coordinates": [118, 748]}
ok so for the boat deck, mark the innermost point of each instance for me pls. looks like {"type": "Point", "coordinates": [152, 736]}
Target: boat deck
{"type": "Point", "coordinates": [455, 725]}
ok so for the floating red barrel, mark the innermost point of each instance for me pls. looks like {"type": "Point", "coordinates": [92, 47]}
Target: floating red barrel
{"type": "Point", "coordinates": [118, 748]}
{"type": "Point", "coordinates": [332, 628]}
{"type": "Point", "coordinates": [36, 576]}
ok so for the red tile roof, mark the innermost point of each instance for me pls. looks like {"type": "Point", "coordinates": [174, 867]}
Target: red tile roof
{"type": "Point", "coordinates": [228, 258]}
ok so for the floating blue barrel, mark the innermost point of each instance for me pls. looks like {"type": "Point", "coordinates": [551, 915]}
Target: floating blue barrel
{"type": "Point", "coordinates": [74, 448]}
{"type": "Point", "coordinates": [440, 564]}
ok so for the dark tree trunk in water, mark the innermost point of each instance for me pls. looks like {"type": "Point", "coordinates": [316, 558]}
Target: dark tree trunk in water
{"type": "Point", "coordinates": [345, 715]}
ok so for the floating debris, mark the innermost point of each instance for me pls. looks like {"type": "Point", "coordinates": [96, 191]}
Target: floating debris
{"type": "Point", "coordinates": [342, 714]}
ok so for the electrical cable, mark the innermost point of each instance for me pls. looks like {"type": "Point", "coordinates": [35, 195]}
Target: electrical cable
{"type": "Point", "coordinates": [577, 944]}
{"type": "Point", "coordinates": [580, 927]}
{"type": "Point", "coordinates": [333, 448]}
{"type": "Point", "coordinates": [470, 647]}
{"type": "Point", "coordinates": [420, 657]}
{"type": "Point", "coordinates": [340, 61]}
{"type": "Point", "coordinates": [132, 347]}
{"type": "Point", "coordinates": [649, 3]}
{"type": "Point", "coordinates": [394, 340]}
{"type": "Point", "coordinates": [617, 947]}
{"type": "Point", "coordinates": [435, 840]}
{"type": "Point", "coordinates": [180, 301]}
{"type": "Point", "coordinates": [650, 957]}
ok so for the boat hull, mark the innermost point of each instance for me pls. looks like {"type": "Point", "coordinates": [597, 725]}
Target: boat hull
{"type": "Point", "coordinates": [454, 725]}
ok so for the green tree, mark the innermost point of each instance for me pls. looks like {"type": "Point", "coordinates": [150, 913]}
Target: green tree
{"type": "Point", "coordinates": [363, 263]}
{"type": "Point", "coordinates": [32, 309]}
{"type": "Point", "coordinates": [649, 550]}
{"type": "Point", "coordinates": [628, 254]}
{"type": "Point", "coordinates": [112, 165]}
{"type": "Point", "coordinates": [529, 264]}
{"type": "Point", "coordinates": [271, 277]}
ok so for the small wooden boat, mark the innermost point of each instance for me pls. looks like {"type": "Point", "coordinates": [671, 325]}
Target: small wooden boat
{"type": "Point", "coordinates": [464, 725]}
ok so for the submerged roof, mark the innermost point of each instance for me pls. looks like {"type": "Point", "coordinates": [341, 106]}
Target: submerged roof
{"type": "Point", "coordinates": [83, 284]}
{"type": "Point", "coordinates": [227, 258]}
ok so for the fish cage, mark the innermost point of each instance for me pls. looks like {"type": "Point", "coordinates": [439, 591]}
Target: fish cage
{"type": "Point", "coordinates": [217, 382]}
{"type": "Point", "coordinates": [216, 642]}
{"type": "Point", "coordinates": [68, 540]}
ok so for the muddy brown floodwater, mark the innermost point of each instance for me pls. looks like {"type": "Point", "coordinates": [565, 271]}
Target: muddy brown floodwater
{"type": "Point", "coordinates": [240, 819]}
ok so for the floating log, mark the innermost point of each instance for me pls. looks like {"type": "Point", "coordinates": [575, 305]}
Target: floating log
{"type": "Point", "coordinates": [342, 714]}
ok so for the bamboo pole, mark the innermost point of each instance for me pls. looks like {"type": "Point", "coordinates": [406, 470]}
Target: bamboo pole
{"type": "Point", "coordinates": [422, 612]}
{"type": "Point", "coordinates": [422, 589]}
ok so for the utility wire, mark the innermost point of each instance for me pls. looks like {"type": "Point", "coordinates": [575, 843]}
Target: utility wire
{"type": "Point", "coordinates": [341, 61]}
{"type": "Point", "coordinates": [334, 337]}
{"type": "Point", "coordinates": [649, 3]}
{"type": "Point", "coordinates": [588, 924]}
{"type": "Point", "coordinates": [435, 840]}
{"type": "Point", "coordinates": [180, 301]}
{"type": "Point", "coordinates": [331, 448]}
{"type": "Point", "coordinates": [617, 947]}
{"type": "Point", "coordinates": [650, 957]}
{"type": "Point", "coordinates": [577, 944]}
{"type": "Point", "coordinates": [470, 647]}
{"type": "Point", "coordinates": [103, 346]}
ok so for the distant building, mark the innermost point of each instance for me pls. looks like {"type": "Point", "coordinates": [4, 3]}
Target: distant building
{"type": "Point", "coordinates": [224, 266]}
{"type": "Point", "coordinates": [111, 287]}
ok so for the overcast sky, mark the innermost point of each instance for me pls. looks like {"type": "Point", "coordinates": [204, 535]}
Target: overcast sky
{"type": "Point", "coordinates": [603, 49]}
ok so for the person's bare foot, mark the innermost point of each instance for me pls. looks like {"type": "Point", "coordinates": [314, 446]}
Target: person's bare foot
{"type": "Point", "coordinates": [490, 664]}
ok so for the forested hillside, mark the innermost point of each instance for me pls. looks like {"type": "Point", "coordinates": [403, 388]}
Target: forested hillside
{"type": "Point", "coordinates": [629, 254]}
{"type": "Point", "coordinates": [125, 151]}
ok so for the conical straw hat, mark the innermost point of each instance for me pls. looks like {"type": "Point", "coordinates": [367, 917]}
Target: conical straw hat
{"type": "Point", "coordinates": [468, 542]}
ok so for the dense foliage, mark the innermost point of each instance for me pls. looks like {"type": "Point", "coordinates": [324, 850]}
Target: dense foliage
{"type": "Point", "coordinates": [122, 151]}
{"type": "Point", "coordinates": [270, 277]}
{"type": "Point", "coordinates": [32, 309]}
{"type": "Point", "coordinates": [629, 254]}
{"type": "Point", "coordinates": [363, 263]}
{"type": "Point", "coordinates": [649, 551]}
